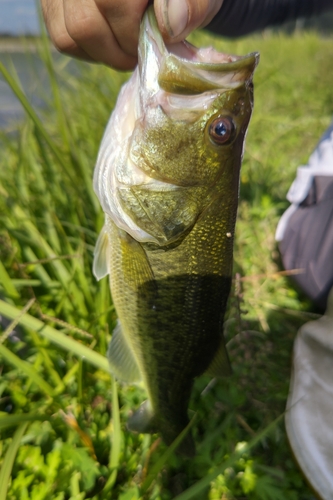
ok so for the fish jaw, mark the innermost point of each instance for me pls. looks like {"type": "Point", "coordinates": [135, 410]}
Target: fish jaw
{"type": "Point", "coordinates": [182, 68]}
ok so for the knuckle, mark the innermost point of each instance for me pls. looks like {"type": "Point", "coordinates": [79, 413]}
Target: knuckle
{"type": "Point", "coordinates": [122, 10]}
{"type": "Point", "coordinates": [114, 10]}
{"type": "Point", "coordinates": [50, 17]}
{"type": "Point", "coordinates": [56, 27]}
{"type": "Point", "coordinates": [82, 28]}
{"type": "Point", "coordinates": [63, 43]}
{"type": "Point", "coordinates": [47, 10]}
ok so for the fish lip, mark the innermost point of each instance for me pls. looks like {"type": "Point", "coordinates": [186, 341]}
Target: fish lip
{"type": "Point", "coordinates": [180, 68]}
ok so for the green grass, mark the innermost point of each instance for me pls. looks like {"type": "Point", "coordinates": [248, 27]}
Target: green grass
{"type": "Point", "coordinates": [62, 417]}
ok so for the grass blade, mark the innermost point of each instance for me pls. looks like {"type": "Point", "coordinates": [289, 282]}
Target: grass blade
{"type": "Point", "coordinates": [26, 368]}
{"type": "Point", "coordinates": [7, 282]}
{"type": "Point", "coordinates": [8, 462]}
{"type": "Point", "coordinates": [11, 420]}
{"type": "Point", "coordinates": [58, 265]}
{"type": "Point", "coordinates": [37, 122]}
{"type": "Point", "coordinates": [116, 439]}
{"type": "Point", "coordinates": [56, 337]}
{"type": "Point", "coordinates": [46, 56]}
{"type": "Point", "coordinates": [10, 328]}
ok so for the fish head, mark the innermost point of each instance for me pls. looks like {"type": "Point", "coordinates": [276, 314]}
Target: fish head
{"type": "Point", "coordinates": [194, 109]}
{"type": "Point", "coordinates": [179, 124]}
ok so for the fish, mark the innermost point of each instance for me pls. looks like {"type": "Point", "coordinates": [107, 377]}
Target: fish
{"type": "Point", "coordinates": [167, 178]}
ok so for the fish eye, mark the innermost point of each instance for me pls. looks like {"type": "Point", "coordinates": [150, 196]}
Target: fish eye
{"type": "Point", "coordinates": [221, 129]}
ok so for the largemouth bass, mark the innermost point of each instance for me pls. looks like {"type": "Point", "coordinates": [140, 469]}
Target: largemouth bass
{"type": "Point", "coordinates": [167, 177]}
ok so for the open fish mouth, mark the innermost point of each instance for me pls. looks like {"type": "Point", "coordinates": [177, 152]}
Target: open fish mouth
{"type": "Point", "coordinates": [182, 68]}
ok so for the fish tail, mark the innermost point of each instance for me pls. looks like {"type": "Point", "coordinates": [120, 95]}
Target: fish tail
{"type": "Point", "coordinates": [187, 447]}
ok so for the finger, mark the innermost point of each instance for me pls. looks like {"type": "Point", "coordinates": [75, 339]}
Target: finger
{"type": "Point", "coordinates": [177, 18]}
{"type": "Point", "coordinates": [124, 17]}
{"type": "Point", "coordinates": [90, 30]}
{"type": "Point", "coordinates": [53, 14]}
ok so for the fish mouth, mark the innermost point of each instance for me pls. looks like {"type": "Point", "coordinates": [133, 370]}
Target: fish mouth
{"type": "Point", "coordinates": [182, 68]}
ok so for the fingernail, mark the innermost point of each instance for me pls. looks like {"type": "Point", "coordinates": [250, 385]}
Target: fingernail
{"type": "Point", "coordinates": [175, 15]}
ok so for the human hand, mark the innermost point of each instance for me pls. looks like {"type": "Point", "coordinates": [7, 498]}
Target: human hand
{"type": "Point", "coordinates": [178, 18]}
{"type": "Point", "coordinates": [107, 31]}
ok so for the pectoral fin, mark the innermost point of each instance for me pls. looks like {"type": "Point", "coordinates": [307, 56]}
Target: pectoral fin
{"type": "Point", "coordinates": [143, 419]}
{"type": "Point", "coordinates": [101, 252]}
{"type": "Point", "coordinates": [220, 366]}
{"type": "Point", "coordinates": [122, 362]}
{"type": "Point", "coordinates": [167, 213]}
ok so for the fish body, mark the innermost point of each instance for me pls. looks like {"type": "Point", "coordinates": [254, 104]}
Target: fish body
{"type": "Point", "coordinates": [167, 177]}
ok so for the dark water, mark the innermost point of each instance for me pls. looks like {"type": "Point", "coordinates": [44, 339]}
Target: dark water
{"type": "Point", "coordinates": [34, 80]}
{"type": "Point", "coordinates": [32, 75]}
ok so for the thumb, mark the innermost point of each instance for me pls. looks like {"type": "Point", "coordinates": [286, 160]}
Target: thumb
{"type": "Point", "coordinates": [177, 18]}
